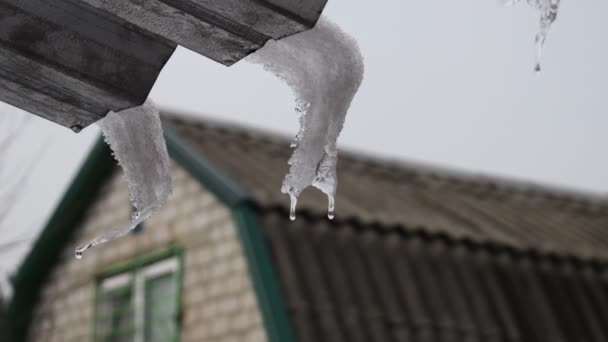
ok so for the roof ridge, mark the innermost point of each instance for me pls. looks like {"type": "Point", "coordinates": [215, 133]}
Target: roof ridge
{"type": "Point", "coordinates": [483, 183]}
{"type": "Point", "coordinates": [422, 232]}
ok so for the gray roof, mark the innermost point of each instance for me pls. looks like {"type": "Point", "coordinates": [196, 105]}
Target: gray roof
{"type": "Point", "coordinates": [412, 197]}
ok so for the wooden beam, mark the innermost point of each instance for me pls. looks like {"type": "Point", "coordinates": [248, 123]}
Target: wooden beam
{"type": "Point", "coordinates": [223, 30]}
{"type": "Point", "coordinates": [72, 61]}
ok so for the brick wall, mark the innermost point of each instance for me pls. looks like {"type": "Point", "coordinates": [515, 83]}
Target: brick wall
{"type": "Point", "coordinates": [218, 301]}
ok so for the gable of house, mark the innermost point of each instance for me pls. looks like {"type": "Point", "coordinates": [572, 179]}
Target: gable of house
{"type": "Point", "coordinates": [204, 223]}
{"type": "Point", "coordinates": [217, 298]}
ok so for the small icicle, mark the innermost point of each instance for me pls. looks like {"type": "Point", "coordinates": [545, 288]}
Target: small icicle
{"type": "Point", "coordinates": [76, 128]}
{"type": "Point", "coordinates": [539, 50]}
{"type": "Point", "coordinates": [136, 137]}
{"type": "Point", "coordinates": [293, 203]}
{"type": "Point", "coordinates": [548, 13]}
{"type": "Point", "coordinates": [330, 207]}
{"type": "Point", "coordinates": [79, 252]}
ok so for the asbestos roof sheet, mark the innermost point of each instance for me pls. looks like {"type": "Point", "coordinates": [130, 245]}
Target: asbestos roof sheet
{"type": "Point", "coordinates": [421, 254]}
{"type": "Point", "coordinates": [462, 207]}
{"type": "Point", "coordinates": [348, 282]}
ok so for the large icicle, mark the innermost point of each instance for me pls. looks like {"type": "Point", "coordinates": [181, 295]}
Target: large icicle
{"type": "Point", "coordinates": [548, 13]}
{"type": "Point", "coordinates": [136, 137]}
{"type": "Point", "coordinates": [324, 67]}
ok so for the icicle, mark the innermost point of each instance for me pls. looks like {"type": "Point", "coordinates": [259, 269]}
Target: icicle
{"type": "Point", "coordinates": [324, 68]}
{"type": "Point", "coordinates": [293, 202]}
{"type": "Point", "coordinates": [548, 9]}
{"type": "Point", "coordinates": [330, 207]}
{"type": "Point", "coordinates": [548, 13]}
{"type": "Point", "coordinates": [136, 137]}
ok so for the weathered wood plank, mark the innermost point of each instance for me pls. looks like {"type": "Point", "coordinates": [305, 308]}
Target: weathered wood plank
{"type": "Point", "coordinates": [99, 26]}
{"type": "Point", "coordinates": [80, 61]}
{"type": "Point", "coordinates": [181, 27]}
{"type": "Point", "coordinates": [223, 30]}
{"type": "Point", "coordinates": [40, 78]}
{"type": "Point", "coordinates": [306, 11]}
{"type": "Point", "coordinates": [72, 61]}
{"type": "Point", "coordinates": [37, 35]}
{"type": "Point", "coordinates": [45, 106]}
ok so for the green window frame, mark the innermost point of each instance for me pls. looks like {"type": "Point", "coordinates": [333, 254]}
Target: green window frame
{"type": "Point", "coordinates": [139, 300]}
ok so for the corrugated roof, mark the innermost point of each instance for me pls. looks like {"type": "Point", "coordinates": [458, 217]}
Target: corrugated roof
{"type": "Point", "coordinates": [344, 281]}
{"type": "Point", "coordinates": [424, 255]}
{"type": "Point", "coordinates": [413, 197]}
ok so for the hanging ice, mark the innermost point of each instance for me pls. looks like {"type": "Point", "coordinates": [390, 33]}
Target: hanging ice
{"type": "Point", "coordinates": [324, 68]}
{"type": "Point", "coordinates": [548, 13]}
{"type": "Point", "coordinates": [136, 137]}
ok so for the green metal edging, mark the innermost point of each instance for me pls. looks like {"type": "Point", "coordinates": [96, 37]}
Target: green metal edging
{"type": "Point", "coordinates": [45, 252]}
{"type": "Point", "coordinates": [226, 189]}
{"type": "Point", "coordinates": [265, 281]}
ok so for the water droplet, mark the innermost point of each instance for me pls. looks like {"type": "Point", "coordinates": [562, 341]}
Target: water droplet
{"type": "Point", "coordinates": [330, 207]}
{"type": "Point", "coordinates": [292, 210]}
{"type": "Point", "coordinates": [135, 215]}
{"type": "Point", "coordinates": [80, 250]}
{"type": "Point", "coordinates": [76, 128]}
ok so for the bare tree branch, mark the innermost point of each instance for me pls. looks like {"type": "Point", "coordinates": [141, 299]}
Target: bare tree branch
{"type": "Point", "coordinates": [13, 173]}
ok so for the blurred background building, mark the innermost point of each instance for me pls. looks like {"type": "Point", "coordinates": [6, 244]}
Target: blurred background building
{"type": "Point", "coordinates": [414, 254]}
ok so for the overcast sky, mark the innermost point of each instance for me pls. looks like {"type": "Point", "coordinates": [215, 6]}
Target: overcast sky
{"type": "Point", "coordinates": [447, 82]}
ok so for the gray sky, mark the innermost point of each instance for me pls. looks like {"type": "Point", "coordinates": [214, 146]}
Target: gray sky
{"type": "Point", "coordinates": [447, 82]}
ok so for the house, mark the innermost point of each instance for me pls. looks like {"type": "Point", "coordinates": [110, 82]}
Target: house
{"type": "Point", "coordinates": [414, 254]}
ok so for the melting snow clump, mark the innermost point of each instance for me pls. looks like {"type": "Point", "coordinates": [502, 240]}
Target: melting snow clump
{"type": "Point", "coordinates": [324, 68]}
{"type": "Point", "coordinates": [136, 137]}
{"type": "Point", "coordinates": [548, 13]}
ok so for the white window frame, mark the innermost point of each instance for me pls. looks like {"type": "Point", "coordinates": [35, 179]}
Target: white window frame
{"type": "Point", "coordinates": [137, 279]}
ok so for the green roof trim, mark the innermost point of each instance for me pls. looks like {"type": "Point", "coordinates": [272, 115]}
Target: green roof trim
{"type": "Point", "coordinates": [225, 188]}
{"type": "Point", "coordinates": [34, 271]}
{"type": "Point", "coordinates": [45, 252]}
{"type": "Point", "coordinates": [265, 281]}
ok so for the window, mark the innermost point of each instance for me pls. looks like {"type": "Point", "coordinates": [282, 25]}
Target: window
{"type": "Point", "coordinates": [140, 304]}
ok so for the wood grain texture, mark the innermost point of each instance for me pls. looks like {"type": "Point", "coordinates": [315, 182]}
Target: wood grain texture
{"type": "Point", "coordinates": [71, 63]}
{"type": "Point", "coordinates": [223, 30]}
{"type": "Point", "coordinates": [181, 27]}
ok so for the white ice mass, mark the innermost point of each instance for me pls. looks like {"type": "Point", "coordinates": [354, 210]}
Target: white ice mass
{"type": "Point", "coordinates": [136, 137]}
{"type": "Point", "coordinates": [548, 13]}
{"type": "Point", "coordinates": [324, 68]}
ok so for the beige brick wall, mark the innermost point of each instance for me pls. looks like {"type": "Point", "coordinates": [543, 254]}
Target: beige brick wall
{"type": "Point", "coordinates": [218, 301]}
